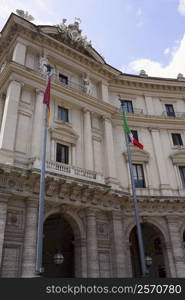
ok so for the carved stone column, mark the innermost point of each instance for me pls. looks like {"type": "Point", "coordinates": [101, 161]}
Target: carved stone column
{"type": "Point", "coordinates": [29, 248]}
{"type": "Point", "coordinates": [3, 214]}
{"type": "Point", "coordinates": [37, 124]}
{"type": "Point", "coordinates": [177, 246]}
{"type": "Point", "coordinates": [9, 120]}
{"type": "Point", "coordinates": [92, 246]}
{"type": "Point", "coordinates": [119, 249]}
{"type": "Point", "coordinates": [109, 151]}
{"type": "Point", "coordinates": [19, 53]}
{"type": "Point", "coordinates": [88, 147]}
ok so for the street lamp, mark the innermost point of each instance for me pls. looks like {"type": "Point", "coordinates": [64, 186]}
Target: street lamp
{"type": "Point", "coordinates": [148, 260]}
{"type": "Point", "coordinates": [58, 258]}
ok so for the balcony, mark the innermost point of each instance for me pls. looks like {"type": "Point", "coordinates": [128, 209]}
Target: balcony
{"type": "Point", "coordinates": [77, 88]}
{"type": "Point", "coordinates": [71, 171]}
{"type": "Point", "coordinates": [178, 115]}
{"type": "Point", "coordinates": [136, 111]}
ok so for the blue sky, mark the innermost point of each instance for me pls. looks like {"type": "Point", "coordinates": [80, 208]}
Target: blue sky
{"type": "Point", "coordinates": [130, 34]}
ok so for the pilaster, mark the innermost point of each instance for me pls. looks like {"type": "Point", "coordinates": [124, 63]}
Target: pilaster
{"type": "Point", "coordinates": [19, 53]}
{"type": "Point", "coordinates": [3, 215]}
{"type": "Point", "coordinates": [37, 124]}
{"type": "Point", "coordinates": [92, 246]}
{"type": "Point", "coordinates": [162, 171]}
{"type": "Point", "coordinates": [9, 120]}
{"type": "Point", "coordinates": [119, 251]}
{"type": "Point", "coordinates": [88, 147]}
{"type": "Point", "coordinates": [29, 248]}
{"type": "Point", "coordinates": [177, 246]}
{"type": "Point", "coordinates": [111, 176]}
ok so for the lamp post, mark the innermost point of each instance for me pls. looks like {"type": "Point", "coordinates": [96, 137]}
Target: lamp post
{"type": "Point", "coordinates": [58, 258]}
{"type": "Point", "coordinates": [148, 260]}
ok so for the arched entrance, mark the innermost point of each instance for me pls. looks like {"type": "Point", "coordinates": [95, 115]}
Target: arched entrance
{"type": "Point", "coordinates": [154, 250]}
{"type": "Point", "coordinates": [58, 237]}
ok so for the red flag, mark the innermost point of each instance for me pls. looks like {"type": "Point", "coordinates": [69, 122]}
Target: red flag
{"type": "Point", "coordinates": [46, 99]}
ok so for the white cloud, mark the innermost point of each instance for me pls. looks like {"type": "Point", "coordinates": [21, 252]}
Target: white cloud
{"type": "Point", "coordinates": [139, 12]}
{"type": "Point", "coordinates": [155, 68]}
{"type": "Point", "coordinates": [181, 7]}
{"type": "Point", "coordinates": [166, 51]}
{"type": "Point", "coordinates": [37, 8]}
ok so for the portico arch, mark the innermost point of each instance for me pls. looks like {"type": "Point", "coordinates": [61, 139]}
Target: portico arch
{"type": "Point", "coordinates": [64, 233]}
{"type": "Point", "coordinates": [154, 246]}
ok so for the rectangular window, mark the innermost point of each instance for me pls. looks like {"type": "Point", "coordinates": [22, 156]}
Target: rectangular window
{"type": "Point", "coordinates": [63, 78]}
{"type": "Point", "coordinates": [170, 110]}
{"type": "Point", "coordinates": [177, 140]}
{"type": "Point", "coordinates": [128, 106]}
{"type": "Point", "coordinates": [138, 176]}
{"type": "Point", "coordinates": [182, 173]}
{"type": "Point", "coordinates": [62, 154]}
{"type": "Point", "coordinates": [63, 114]}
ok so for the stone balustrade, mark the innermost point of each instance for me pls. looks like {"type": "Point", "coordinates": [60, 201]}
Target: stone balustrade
{"type": "Point", "coordinates": [72, 171]}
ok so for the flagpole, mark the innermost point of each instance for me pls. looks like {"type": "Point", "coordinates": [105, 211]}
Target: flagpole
{"type": "Point", "coordinates": [40, 226]}
{"type": "Point", "coordinates": [136, 208]}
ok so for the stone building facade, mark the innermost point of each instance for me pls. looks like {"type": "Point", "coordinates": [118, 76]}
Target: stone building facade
{"type": "Point", "coordinates": [88, 208]}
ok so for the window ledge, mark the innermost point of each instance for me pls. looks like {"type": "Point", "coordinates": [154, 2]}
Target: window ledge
{"type": "Point", "coordinates": [61, 122]}
{"type": "Point", "coordinates": [178, 147]}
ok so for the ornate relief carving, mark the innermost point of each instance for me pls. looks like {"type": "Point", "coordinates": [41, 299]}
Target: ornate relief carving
{"type": "Point", "coordinates": [103, 230]}
{"type": "Point", "coordinates": [73, 32]}
{"type": "Point", "coordinates": [15, 220]}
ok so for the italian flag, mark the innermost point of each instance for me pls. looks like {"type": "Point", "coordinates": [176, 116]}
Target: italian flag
{"type": "Point", "coordinates": [128, 131]}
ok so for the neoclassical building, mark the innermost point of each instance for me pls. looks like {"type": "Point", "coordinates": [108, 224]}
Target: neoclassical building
{"type": "Point", "coordinates": [89, 214]}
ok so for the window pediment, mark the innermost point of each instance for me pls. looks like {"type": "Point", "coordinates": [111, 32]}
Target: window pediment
{"type": "Point", "coordinates": [64, 132]}
{"type": "Point", "coordinates": [178, 157]}
{"type": "Point", "coordinates": [137, 155]}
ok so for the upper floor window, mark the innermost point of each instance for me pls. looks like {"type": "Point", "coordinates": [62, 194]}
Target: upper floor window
{"type": "Point", "coordinates": [177, 140]}
{"type": "Point", "coordinates": [63, 114]}
{"type": "Point", "coordinates": [139, 179]}
{"type": "Point", "coordinates": [170, 110]}
{"type": "Point", "coordinates": [128, 106]}
{"type": "Point", "coordinates": [63, 78]}
{"type": "Point", "coordinates": [182, 173]}
{"type": "Point", "coordinates": [62, 154]}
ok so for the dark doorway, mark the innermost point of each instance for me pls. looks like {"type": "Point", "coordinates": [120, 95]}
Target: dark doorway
{"type": "Point", "coordinates": [58, 237]}
{"type": "Point", "coordinates": [154, 249]}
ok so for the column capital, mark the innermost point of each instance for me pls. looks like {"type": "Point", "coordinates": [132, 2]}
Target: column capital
{"type": "Point", "coordinates": [153, 129]}
{"type": "Point", "coordinates": [106, 117]}
{"type": "Point", "coordinates": [14, 80]}
{"type": "Point", "coordinates": [4, 197]}
{"type": "Point", "coordinates": [172, 219]}
{"type": "Point", "coordinates": [86, 110]}
{"type": "Point", "coordinates": [39, 91]}
{"type": "Point", "coordinates": [31, 202]}
{"type": "Point", "coordinates": [91, 212]}
{"type": "Point", "coordinates": [117, 215]}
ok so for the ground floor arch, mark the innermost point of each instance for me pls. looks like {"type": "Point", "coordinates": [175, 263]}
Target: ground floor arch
{"type": "Point", "coordinates": [154, 246]}
{"type": "Point", "coordinates": [58, 238]}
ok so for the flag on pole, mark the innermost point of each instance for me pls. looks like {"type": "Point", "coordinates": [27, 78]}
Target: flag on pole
{"type": "Point", "coordinates": [133, 140]}
{"type": "Point", "coordinates": [46, 99]}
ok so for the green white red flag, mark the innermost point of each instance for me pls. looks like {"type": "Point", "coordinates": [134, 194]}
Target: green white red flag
{"type": "Point", "coordinates": [133, 140]}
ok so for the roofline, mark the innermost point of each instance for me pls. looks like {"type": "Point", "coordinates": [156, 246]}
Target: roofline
{"type": "Point", "coordinates": [12, 15]}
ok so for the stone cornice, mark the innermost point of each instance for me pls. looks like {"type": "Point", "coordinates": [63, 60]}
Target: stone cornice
{"type": "Point", "coordinates": [18, 26]}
